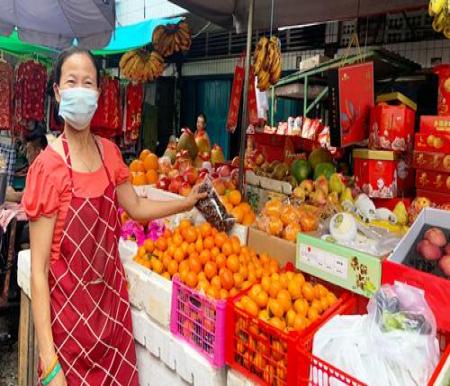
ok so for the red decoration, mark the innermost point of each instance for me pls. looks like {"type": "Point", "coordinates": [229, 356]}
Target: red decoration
{"type": "Point", "coordinates": [6, 95]}
{"type": "Point", "coordinates": [107, 121]}
{"type": "Point", "coordinates": [134, 100]}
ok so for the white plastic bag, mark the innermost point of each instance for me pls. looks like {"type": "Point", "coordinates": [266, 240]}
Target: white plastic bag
{"type": "Point", "coordinates": [394, 345]}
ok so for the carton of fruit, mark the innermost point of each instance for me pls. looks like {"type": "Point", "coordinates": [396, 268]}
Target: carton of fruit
{"type": "Point", "coordinates": [425, 160]}
{"type": "Point", "coordinates": [430, 124]}
{"type": "Point", "coordinates": [433, 142]}
{"type": "Point", "coordinates": [346, 267]}
{"type": "Point", "coordinates": [422, 259]}
{"type": "Point", "coordinates": [431, 180]}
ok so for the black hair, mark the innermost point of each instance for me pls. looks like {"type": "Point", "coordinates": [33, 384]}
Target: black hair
{"type": "Point", "coordinates": [39, 140]}
{"type": "Point", "coordinates": [202, 115]}
{"type": "Point", "coordinates": [66, 54]}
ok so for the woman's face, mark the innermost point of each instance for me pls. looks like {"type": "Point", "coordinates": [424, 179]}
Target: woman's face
{"type": "Point", "coordinates": [77, 71]}
{"type": "Point", "coordinates": [201, 123]}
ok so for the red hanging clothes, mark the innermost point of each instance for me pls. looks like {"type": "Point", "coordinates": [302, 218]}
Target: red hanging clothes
{"type": "Point", "coordinates": [6, 95]}
{"type": "Point", "coordinates": [107, 119]}
{"type": "Point", "coordinates": [31, 84]}
{"type": "Point", "coordinates": [134, 100]}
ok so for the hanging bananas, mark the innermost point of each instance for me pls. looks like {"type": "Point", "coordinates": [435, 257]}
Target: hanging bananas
{"type": "Point", "coordinates": [439, 10]}
{"type": "Point", "coordinates": [172, 38]}
{"type": "Point", "coordinates": [267, 62]}
{"type": "Point", "coordinates": [141, 65]}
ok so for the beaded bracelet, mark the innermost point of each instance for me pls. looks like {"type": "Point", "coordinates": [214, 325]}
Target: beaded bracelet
{"type": "Point", "coordinates": [52, 375]}
{"type": "Point", "coordinates": [50, 368]}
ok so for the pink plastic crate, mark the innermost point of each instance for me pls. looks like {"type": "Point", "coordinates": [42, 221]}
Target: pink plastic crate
{"type": "Point", "coordinates": [200, 321]}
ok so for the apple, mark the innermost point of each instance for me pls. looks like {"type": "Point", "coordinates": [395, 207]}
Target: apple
{"type": "Point", "coordinates": [190, 175]}
{"type": "Point", "coordinates": [224, 171]}
{"type": "Point", "coordinates": [175, 184]}
{"type": "Point", "coordinates": [229, 185]}
{"type": "Point", "coordinates": [219, 186]}
{"type": "Point", "coordinates": [205, 156]}
{"type": "Point", "coordinates": [163, 182]}
{"type": "Point", "coordinates": [185, 189]}
{"type": "Point", "coordinates": [214, 175]}
{"type": "Point", "coordinates": [173, 173]}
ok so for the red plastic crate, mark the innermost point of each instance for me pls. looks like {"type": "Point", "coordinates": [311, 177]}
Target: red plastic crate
{"type": "Point", "coordinates": [200, 321]}
{"type": "Point", "coordinates": [313, 371]}
{"type": "Point", "coordinates": [263, 353]}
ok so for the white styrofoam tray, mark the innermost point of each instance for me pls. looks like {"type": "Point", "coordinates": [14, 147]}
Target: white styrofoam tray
{"type": "Point", "coordinates": [177, 355]}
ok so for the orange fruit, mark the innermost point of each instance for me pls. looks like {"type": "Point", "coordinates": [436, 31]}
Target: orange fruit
{"type": "Point", "coordinates": [313, 314]}
{"type": "Point", "coordinates": [216, 282]}
{"type": "Point", "coordinates": [238, 279]}
{"type": "Point", "coordinates": [167, 233]}
{"type": "Point", "coordinates": [166, 261]}
{"type": "Point", "coordinates": [191, 248]}
{"type": "Point", "coordinates": [213, 292]}
{"type": "Point", "coordinates": [317, 305]}
{"type": "Point", "coordinates": [144, 154]}
{"type": "Point", "coordinates": [215, 252]}
{"type": "Point", "coordinates": [248, 219]}
{"type": "Point", "coordinates": [185, 223]}
{"type": "Point", "coordinates": [235, 197]}
{"type": "Point", "coordinates": [278, 323]}
{"type": "Point", "coordinates": [137, 166]}
{"type": "Point", "coordinates": [275, 288]}
{"type": "Point", "coordinates": [237, 213]}
{"type": "Point", "coordinates": [265, 283]}
{"type": "Point", "coordinates": [331, 297]}
{"type": "Point", "coordinates": [210, 270]}
{"type": "Point", "coordinates": [171, 250]}
{"type": "Point", "coordinates": [183, 275]}
{"type": "Point", "coordinates": [139, 179]}
{"type": "Point", "coordinates": [233, 292]}
{"type": "Point", "coordinates": [202, 285]}
{"type": "Point", "coordinates": [300, 322]}
{"type": "Point", "coordinates": [275, 226]}
{"type": "Point", "coordinates": [172, 267]}
{"type": "Point", "coordinates": [324, 303]}
{"type": "Point", "coordinates": [276, 308]}
{"type": "Point", "coordinates": [149, 245]}
{"type": "Point", "coordinates": [190, 235]}
{"type": "Point", "coordinates": [289, 215]}
{"type": "Point", "coordinates": [183, 265]}
{"type": "Point", "coordinates": [205, 256]}
{"type": "Point", "coordinates": [191, 279]}
{"type": "Point", "coordinates": [227, 248]}
{"type": "Point", "coordinates": [208, 243]}
{"type": "Point", "coordinates": [221, 260]}
{"type": "Point", "coordinates": [233, 263]}
{"type": "Point", "coordinates": [301, 307]}
{"type": "Point", "coordinates": [284, 298]}
{"type": "Point", "coordinates": [273, 207]}
{"type": "Point", "coordinates": [151, 176]}
{"type": "Point", "coordinates": [161, 244]}
{"type": "Point", "coordinates": [291, 231]}
{"type": "Point", "coordinates": [199, 245]}
{"type": "Point", "coordinates": [195, 265]}
{"type": "Point", "coordinates": [205, 229]}
{"type": "Point", "coordinates": [226, 279]}
{"type": "Point", "coordinates": [284, 280]}
{"type": "Point", "coordinates": [157, 265]}
{"type": "Point", "coordinates": [228, 207]}
{"type": "Point", "coordinates": [251, 307]}
{"type": "Point", "coordinates": [223, 294]}
{"type": "Point", "coordinates": [141, 252]}
{"type": "Point", "coordinates": [264, 315]}
{"type": "Point", "coordinates": [299, 278]}
{"type": "Point", "coordinates": [178, 255]}
{"type": "Point", "coordinates": [166, 275]}
{"type": "Point", "coordinates": [320, 291]}
{"type": "Point", "coordinates": [177, 239]}
{"type": "Point", "coordinates": [220, 239]}
{"type": "Point", "coordinates": [294, 289]}
{"type": "Point", "coordinates": [290, 318]}
{"type": "Point", "coordinates": [151, 162]}
{"type": "Point", "coordinates": [236, 244]}
{"type": "Point", "coordinates": [308, 291]}
{"type": "Point", "coordinates": [262, 299]}
{"type": "Point", "coordinates": [246, 208]}
{"type": "Point", "coordinates": [255, 290]}
{"type": "Point", "coordinates": [243, 270]}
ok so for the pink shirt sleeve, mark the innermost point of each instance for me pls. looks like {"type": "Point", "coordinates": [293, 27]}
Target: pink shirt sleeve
{"type": "Point", "coordinates": [115, 163]}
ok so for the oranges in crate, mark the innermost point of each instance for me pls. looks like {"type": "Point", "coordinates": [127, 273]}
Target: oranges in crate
{"type": "Point", "coordinates": [239, 209]}
{"type": "Point", "coordinates": [206, 259]}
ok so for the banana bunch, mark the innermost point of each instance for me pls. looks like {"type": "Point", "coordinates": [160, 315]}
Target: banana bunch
{"type": "Point", "coordinates": [440, 11]}
{"type": "Point", "coordinates": [267, 62]}
{"type": "Point", "coordinates": [172, 38]}
{"type": "Point", "coordinates": [141, 65]}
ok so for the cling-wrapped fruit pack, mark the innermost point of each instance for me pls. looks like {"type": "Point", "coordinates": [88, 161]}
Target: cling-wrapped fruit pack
{"type": "Point", "coordinates": [213, 210]}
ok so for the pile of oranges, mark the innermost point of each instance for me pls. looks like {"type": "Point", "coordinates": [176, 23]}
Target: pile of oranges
{"type": "Point", "coordinates": [144, 171]}
{"type": "Point", "coordinates": [241, 211]}
{"type": "Point", "coordinates": [285, 220]}
{"type": "Point", "coordinates": [206, 259]}
{"type": "Point", "coordinates": [287, 301]}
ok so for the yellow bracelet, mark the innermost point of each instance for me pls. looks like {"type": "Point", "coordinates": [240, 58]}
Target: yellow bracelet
{"type": "Point", "coordinates": [51, 367]}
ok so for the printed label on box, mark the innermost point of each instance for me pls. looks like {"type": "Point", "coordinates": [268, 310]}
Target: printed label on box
{"type": "Point", "coordinates": [318, 258]}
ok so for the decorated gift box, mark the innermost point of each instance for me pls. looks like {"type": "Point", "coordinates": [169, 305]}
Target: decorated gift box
{"type": "Point", "coordinates": [443, 72]}
{"type": "Point", "coordinates": [425, 160]}
{"type": "Point", "coordinates": [437, 198]}
{"type": "Point", "coordinates": [432, 142]}
{"type": "Point", "coordinates": [392, 123]}
{"type": "Point", "coordinates": [382, 173]}
{"type": "Point", "coordinates": [430, 124]}
{"type": "Point", "coordinates": [431, 180]}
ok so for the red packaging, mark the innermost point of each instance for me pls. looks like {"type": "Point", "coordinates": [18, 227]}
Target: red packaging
{"type": "Point", "coordinates": [406, 174]}
{"type": "Point", "coordinates": [352, 97]}
{"type": "Point", "coordinates": [435, 181]}
{"type": "Point", "coordinates": [432, 142]}
{"type": "Point", "coordinates": [391, 127]}
{"type": "Point", "coordinates": [443, 71]}
{"type": "Point", "coordinates": [439, 162]}
{"type": "Point", "coordinates": [435, 197]}
{"type": "Point", "coordinates": [430, 124]}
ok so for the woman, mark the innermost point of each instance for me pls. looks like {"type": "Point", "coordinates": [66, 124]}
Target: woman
{"type": "Point", "coordinates": [80, 303]}
{"type": "Point", "coordinates": [201, 122]}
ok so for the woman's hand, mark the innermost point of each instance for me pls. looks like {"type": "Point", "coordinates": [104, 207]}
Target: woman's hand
{"type": "Point", "coordinates": [194, 196]}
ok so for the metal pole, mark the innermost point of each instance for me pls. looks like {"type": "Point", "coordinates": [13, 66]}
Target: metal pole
{"type": "Point", "coordinates": [244, 121]}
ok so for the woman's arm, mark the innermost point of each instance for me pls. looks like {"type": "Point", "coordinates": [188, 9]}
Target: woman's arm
{"type": "Point", "coordinates": [144, 209]}
{"type": "Point", "coordinates": [41, 236]}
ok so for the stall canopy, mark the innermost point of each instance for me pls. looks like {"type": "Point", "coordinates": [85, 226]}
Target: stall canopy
{"type": "Point", "coordinates": [57, 23]}
{"type": "Point", "coordinates": [233, 13]}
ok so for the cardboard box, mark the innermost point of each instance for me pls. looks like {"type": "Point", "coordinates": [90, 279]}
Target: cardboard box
{"type": "Point", "coordinates": [435, 197]}
{"type": "Point", "coordinates": [280, 249]}
{"type": "Point", "coordinates": [426, 160]}
{"type": "Point", "coordinates": [430, 124]}
{"type": "Point", "coordinates": [432, 142]}
{"type": "Point", "coordinates": [400, 265]}
{"type": "Point", "coordinates": [351, 90]}
{"type": "Point", "coordinates": [392, 126]}
{"type": "Point", "coordinates": [431, 180]}
{"type": "Point", "coordinates": [348, 268]}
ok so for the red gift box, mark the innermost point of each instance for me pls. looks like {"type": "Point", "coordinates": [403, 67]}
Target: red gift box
{"type": "Point", "coordinates": [392, 126]}
{"type": "Point", "coordinates": [351, 89]}
{"type": "Point", "coordinates": [432, 142]}
{"type": "Point", "coordinates": [425, 160]}
{"type": "Point", "coordinates": [431, 180]}
{"type": "Point", "coordinates": [443, 72]}
{"type": "Point", "coordinates": [430, 124]}
{"type": "Point", "coordinates": [435, 197]}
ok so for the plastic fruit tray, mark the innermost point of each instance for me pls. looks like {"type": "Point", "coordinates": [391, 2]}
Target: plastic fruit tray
{"type": "Point", "coordinates": [263, 353]}
{"type": "Point", "coordinates": [313, 371]}
{"type": "Point", "coordinates": [200, 321]}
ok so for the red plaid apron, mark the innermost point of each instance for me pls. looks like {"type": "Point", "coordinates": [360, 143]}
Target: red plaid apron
{"type": "Point", "coordinates": [90, 311]}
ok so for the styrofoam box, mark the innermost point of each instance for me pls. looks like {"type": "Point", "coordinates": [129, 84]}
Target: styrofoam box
{"type": "Point", "coordinates": [24, 271]}
{"type": "Point", "coordinates": [234, 378]}
{"type": "Point", "coordinates": [189, 364]}
{"type": "Point", "coordinates": [149, 292]}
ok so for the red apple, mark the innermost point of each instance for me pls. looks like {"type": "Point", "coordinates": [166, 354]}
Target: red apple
{"type": "Point", "coordinates": [214, 175]}
{"type": "Point", "coordinates": [219, 186]}
{"type": "Point", "coordinates": [185, 189]}
{"type": "Point", "coordinates": [173, 173]}
{"type": "Point", "coordinates": [163, 182]}
{"type": "Point", "coordinates": [224, 171]}
{"type": "Point", "coordinates": [175, 184]}
{"type": "Point", "coordinates": [202, 175]}
{"type": "Point", "coordinates": [190, 175]}
{"type": "Point", "coordinates": [205, 156]}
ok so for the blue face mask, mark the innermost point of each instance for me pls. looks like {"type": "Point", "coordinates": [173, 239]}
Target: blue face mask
{"type": "Point", "coordinates": [77, 106]}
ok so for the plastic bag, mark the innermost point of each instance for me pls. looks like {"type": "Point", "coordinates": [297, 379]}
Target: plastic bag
{"type": "Point", "coordinates": [213, 210]}
{"type": "Point", "coordinates": [393, 345]}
